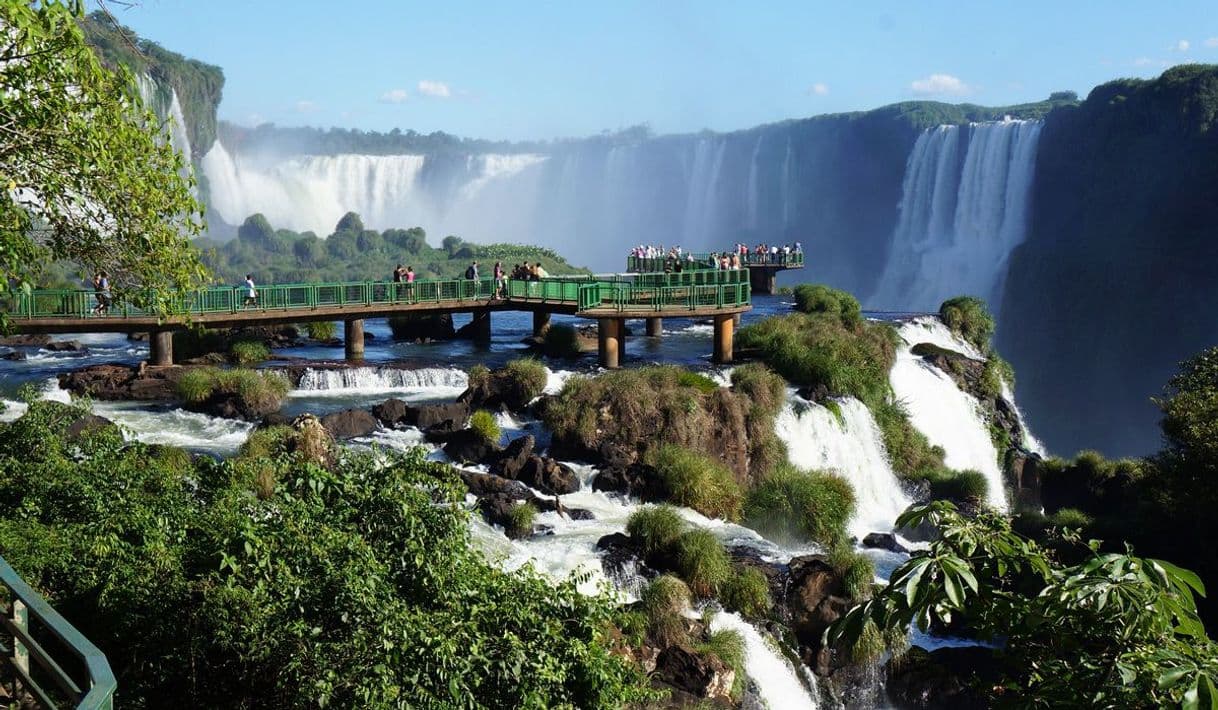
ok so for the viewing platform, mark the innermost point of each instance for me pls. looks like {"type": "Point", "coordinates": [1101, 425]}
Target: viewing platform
{"type": "Point", "coordinates": [762, 268]}
{"type": "Point", "coordinates": [610, 299]}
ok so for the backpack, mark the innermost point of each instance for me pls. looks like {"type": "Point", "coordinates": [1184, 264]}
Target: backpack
{"type": "Point", "coordinates": [469, 272]}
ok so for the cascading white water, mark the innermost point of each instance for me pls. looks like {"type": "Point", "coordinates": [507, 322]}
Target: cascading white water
{"type": "Point", "coordinates": [948, 416]}
{"type": "Point", "coordinates": [777, 682]}
{"type": "Point", "coordinates": [852, 448]}
{"type": "Point", "coordinates": [354, 380]}
{"type": "Point", "coordinates": [165, 105]}
{"type": "Point", "coordinates": [964, 209]}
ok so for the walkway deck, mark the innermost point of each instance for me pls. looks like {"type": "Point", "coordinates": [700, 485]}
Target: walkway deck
{"type": "Point", "coordinates": [762, 268]}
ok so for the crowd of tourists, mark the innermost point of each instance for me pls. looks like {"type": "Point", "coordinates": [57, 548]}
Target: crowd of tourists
{"type": "Point", "coordinates": [676, 259]}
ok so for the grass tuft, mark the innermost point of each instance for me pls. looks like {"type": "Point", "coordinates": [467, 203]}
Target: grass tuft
{"type": "Point", "coordinates": [655, 527]}
{"type": "Point", "coordinates": [746, 592]}
{"type": "Point", "coordinates": [249, 352]}
{"type": "Point", "coordinates": [487, 427]}
{"type": "Point", "coordinates": [702, 562]}
{"type": "Point", "coordinates": [520, 521]}
{"type": "Point", "coordinates": [856, 570]}
{"type": "Point", "coordinates": [798, 505]}
{"type": "Point", "coordinates": [968, 317]}
{"type": "Point", "coordinates": [697, 481]}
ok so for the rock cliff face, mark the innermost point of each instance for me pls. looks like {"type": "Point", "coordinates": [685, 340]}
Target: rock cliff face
{"type": "Point", "coordinates": [1115, 283]}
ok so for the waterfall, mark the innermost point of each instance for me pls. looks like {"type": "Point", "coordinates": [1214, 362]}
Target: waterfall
{"type": "Point", "coordinates": [852, 448]}
{"type": "Point", "coordinates": [964, 208]}
{"type": "Point", "coordinates": [777, 682]}
{"type": "Point", "coordinates": [165, 104]}
{"type": "Point", "coordinates": [380, 379]}
{"type": "Point", "coordinates": [946, 415]}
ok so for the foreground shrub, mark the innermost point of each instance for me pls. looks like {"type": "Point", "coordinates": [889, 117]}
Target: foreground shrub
{"type": "Point", "coordinates": [562, 341]}
{"type": "Point", "coordinates": [249, 352]}
{"type": "Point", "coordinates": [487, 427]}
{"type": "Point", "coordinates": [816, 298]}
{"type": "Point", "coordinates": [702, 562]}
{"type": "Point", "coordinates": [968, 317]}
{"type": "Point", "coordinates": [697, 481]}
{"type": "Point", "coordinates": [855, 568]}
{"type": "Point", "coordinates": [747, 592]}
{"type": "Point", "coordinates": [655, 527]}
{"type": "Point", "coordinates": [798, 505]}
{"type": "Point", "coordinates": [235, 597]}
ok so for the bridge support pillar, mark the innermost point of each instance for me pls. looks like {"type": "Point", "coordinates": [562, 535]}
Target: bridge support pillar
{"type": "Point", "coordinates": [621, 340]}
{"type": "Point", "coordinates": [608, 332]}
{"type": "Point", "coordinates": [723, 339]}
{"type": "Point", "coordinates": [655, 327]}
{"type": "Point", "coordinates": [762, 279]}
{"type": "Point", "coordinates": [353, 338]}
{"type": "Point", "coordinates": [160, 348]}
{"type": "Point", "coordinates": [736, 320]}
{"type": "Point", "coordinates": [481, 327]}
{"type": "Point", "coordinates": [541, 323]}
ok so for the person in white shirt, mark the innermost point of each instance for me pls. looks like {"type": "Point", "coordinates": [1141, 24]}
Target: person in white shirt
{"type": "Point", "coordinates": [251, 291]}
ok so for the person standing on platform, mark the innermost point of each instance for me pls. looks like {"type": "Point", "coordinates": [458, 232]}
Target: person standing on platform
{"type": "Point", "coordinates": [251, 292]}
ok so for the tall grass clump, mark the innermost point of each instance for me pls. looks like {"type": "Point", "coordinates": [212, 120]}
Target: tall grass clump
{"type": "Point", "coordinates": [196, 385]}
{"type": "Point", "coordinates": [698, 381]}
{"type": "Point", "coordinates": [664, 602]}
{"type": "Point", "coordinates": [855, 568]}
{"type": "Point", "coordinates": [697, 481]}
{"type": "Point", "coordinates": [323, 330]}
{"type": "Point", "coordinates": [260, 390]}
{"type": "Point", "coordinates": [747, 592]}
{"type": "Point", "coordinates": [702, 562]}
{"type": "Point", "coordinates": [562, 341]}
{"type": "Point", "coordinates": [249, 352]}
{"type": "Point", "coordinates": [765, 391]}
{"type": "Point", "coordinates": [528, 376]}
{"type": "Point", "coordinates": [967, 486]}
{"type": "Point", "coordinates": [798, 505]}
{"type": "Point", "coordinates": [728, 646]}
{"type": "Point", "coordinates": [910, 453]}
{"type": "Point", "coordinates": [520, 521]}
{"type": "Point", "coordinates": [655, 527]}
{"type": "Point", "coordinates": [968, 317]}
{"type": "Point", "coordinates": [484, 423]}
{"type": "Point", "coordinates": [817, 298]}
{"type": "Point", "coordinates": [1072, 518]}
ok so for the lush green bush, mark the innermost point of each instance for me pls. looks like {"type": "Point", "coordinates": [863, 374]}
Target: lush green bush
{"type": "Point", "coordinates": [960, 486]}
{"type": "Point", "coordinates": [520, 520]}
{"type": "Point", "coordinates": [819, 349]}
{"type": "Point", "coordinates": [323, 330]}
{"type": "Point", "coordinates": [261, 390]}
{"type": "Point", "coordinates": [561, 340]}
{"type": "Point", "coordinates": [1071, 518]}
{"type": "Point", "coordinates": [655, 527]}
{"type": "Point", "coordinates": [196, 385]}
{"type": "Point", "coordinates": [249, 352]}
{"type": "Point", "coordinates": [234, 597]}
{"type": "Point", "coordinates": [856, 569]}
{"type": "Point", "coordinates": [702, 562]}
{"type": "Point", "coordinates": [801, 505]}
{"type": "Point", "coordinates": [528, 376]}
{"type": "Point", "coordinates": [698, 381]}
{"type": "Point", "coordinates": [747, 592]}
{"type": "Point", "coordinates": [479, 374]}
{"type": "Point", "coordinates": [697, 481]}
{"type": "Point", "coordinates": [486, 425]}
{"type": "Point", "coordinates": [968, 317]}
{"type": "Point", "coordinates": [816, 298]}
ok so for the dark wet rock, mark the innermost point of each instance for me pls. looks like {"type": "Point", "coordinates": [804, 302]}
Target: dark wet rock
{"type": "Point", "coordinates": [943, 678]}
{"type": "Point", "coordinates": [26, 340]}
{"type": "Point", "coordinates": [884, 541]}
{"type": "Point", "coordinates": [391, 412]}
{"type": "Point", "coordinates": [1023, 471]}
{"type": "Point", "coordinates": [818, 393]}
{"type": "Point", "coordinates": [422, 328]}
{"type": "Point", "coordinates": [498, 390]}
{"type": "Point", "coordinates": [485, 484]}
{"type": "Point", "coordinates": [275, 419]}
{"type": "Point", "coordinates": [231, 405]}
{"type": "Point", "coordinates": [580, 514]}
{"type": "Point", "coordinates": [548, 476]}
{"type": "Point", "coordinates": [814, 597]}
{"type": "Point", "coordinates": [123, 382]}
{"type": "Point", "coordinates": [16, 355]}
{"type": "Point", "coordinates": [620, 553]}
{"type": "Point", "coordinates": [468, 445]}
{"type": "Point", "coordinates": [59, 346]}
{"type": "Point", "coordinates": [514, 457]}
{"type": "Point", "coordinates": [349, 423]}
{"type": "Point", "coordinates": [439, 417]}
{"type": "Point", "coordinates": [638, 480]}
{"type": "Point", "coordinates": [700, 675]}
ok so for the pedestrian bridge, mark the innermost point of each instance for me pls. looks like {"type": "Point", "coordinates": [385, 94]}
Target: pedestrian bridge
{"type": "Point", "coordinates": [608, 298]}
{"type": "Point", "coordinates": [762, 268]}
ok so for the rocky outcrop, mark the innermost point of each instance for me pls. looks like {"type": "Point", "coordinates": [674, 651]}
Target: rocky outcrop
{"type": "Point", "coordinates": [944, 678]}
{"type": "Point", "coordinates": [349, 423]}
{"type": "Point", "coordinates": [391, 412]}
{"type": "Point", "coordinates": [88, 425]}
{"type": "Point", "coordinates": [468, 446]}
{"type": "Point", "coordinates": [29, 340]}
{"type": "Point", "coordinates": [498, 390]}
{"type": "Point", "coordinates": [231, 405]}
{"type": "Point", "coordinates": [413, 328]}
{"type": "Point", "coordinates": [1022, 470]}
{"type": "Point", "coordinates": [439, 417]}
{"type": "Point", "coordinates": [514, 457]}
{"type": "Point", "coordinates": [637, 480]}
{"type": "Point", "coordinates": [63, 346]}
{"type": "Point", "coordinates": [700, 675]}
{"type": "Point", "coordinates": [813, 596]}
{"type": "Point", "coordinates": [884, 541]}
{"type": "Point", "coordinates": [123, 382]}
{"type": "Point", "coordinates": [548, 476]}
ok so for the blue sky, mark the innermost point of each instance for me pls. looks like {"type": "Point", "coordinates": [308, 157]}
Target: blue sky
{"type": "Point", "coordinates": [547, 69]}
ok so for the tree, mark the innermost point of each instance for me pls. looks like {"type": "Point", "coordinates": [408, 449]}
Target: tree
{"type": "Point", "coordinates": [256, 230]}
{"type": "Point", "coordinates": [369, 240]}
{"type": "Point", "coordinates": [309, 250]}
{"type": "Point", "coordinates": [89, 175]}
{"type": "Point", "coordinates": [451, 243]}
{"type": "Point", "coordinates": [350, 222]}
{"type": "Point", "coordinates": [1113, 631]}
{"type": "Point", "coordinates": [1190, 414]}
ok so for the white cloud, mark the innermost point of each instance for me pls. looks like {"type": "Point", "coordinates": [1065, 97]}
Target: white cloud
{"type": "Point", "coordinates": [1148, 62]}
{"type": "Point", "coordinates": [1182, 45]}
{"type": "Point", "coordinates": [438, 89]}
{"type": "Point", "coordinates": [941, 84]}
{"type": "Point", "coordinates": [305, 106]}
{"type": "Point", "coordinates": [1211, 42]}
{"type": "Point", "coordinates": [819, 88]}
{"type": "Point", "coordinates": [394, 96]}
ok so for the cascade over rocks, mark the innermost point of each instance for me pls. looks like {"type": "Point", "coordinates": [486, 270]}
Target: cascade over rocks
{"type": "Point", "coordinates": [123, 382]}
{"type": "Point", "coordinates": [970, 376]}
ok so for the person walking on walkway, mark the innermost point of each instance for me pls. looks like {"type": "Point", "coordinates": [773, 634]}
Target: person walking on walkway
{"type": "Point", "coordinates": [251, 292]}
{"type": "Point", "coordinates": [101, 288]}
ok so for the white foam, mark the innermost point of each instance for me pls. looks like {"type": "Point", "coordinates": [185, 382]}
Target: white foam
{"type": "Point", "coordinates": [778, 683]}
{"type": "Point", "coordinates": [377, 380]}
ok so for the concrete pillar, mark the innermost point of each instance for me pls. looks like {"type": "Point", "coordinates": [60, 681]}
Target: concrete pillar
{"type": "Point", "coordinates": [736, 320]}
{"type": "Point", "coordinates": [160, 347]}
{"type": "Point", "coordinates": [541, 323]}
{"type": "Point", "coordinates": [353, 338]}
{"type": "Point", "coordinates": [621, 340]}
{"type": "Point", "coordinates": [723, 339]}
{"type": "Point", "coordinates": [607, 340]}
{"type": "Point", "coordinates": [482, 326]}
{"type": "Point", "coordinates": [655, 327]}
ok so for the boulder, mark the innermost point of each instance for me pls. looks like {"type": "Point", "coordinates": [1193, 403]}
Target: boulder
{"type": "Point", "coordinates": [702, 676]}
{"type": "Point", "coordinates": [231, 405]}
{"type": "Point", "coordinates": [349, 423]}
{"type": "Point", "coordinates": [637, 480]}
{"type": "Point", "coordinates": [58, 346]}
{"type": "Point", "coordinates": [439, 417]}
{"type": "Point", "coordinates": [548, 476]}
{"type": "Point", "coordinates": [468, 445]}
{"type": "Point", "coordinates": [815, 597]}
{"type": "Point", "coordinates": [485, 484]}
{"type": "Point", "coordinates": [622, 556]}
{"type": "Point", "coordinates": [884, 541]}
{"type": "Point", "coordinates": [1022, 471]}
{"type": "Point", "coordinates": [391, 412]}
{"type": "Point", "coordinates": [123, 382]}
{"type": "Point", "coordinates": [943, 678]}
{"type": "Point", "coordinates": [497, 390]}
{"type": "Point", "coordinates": [514, 457]}
{"type": "Point", "coordinates": [16, 355]}
{"type": "Point", "coordinates": [27, 340]}
{"type": "Point", "coordinates": [87, 425]}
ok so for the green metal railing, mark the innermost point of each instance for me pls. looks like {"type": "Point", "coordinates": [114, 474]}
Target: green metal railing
{"type": "Point", "coordinates": [19, 646]}
{"type": "Point", "coordinates": [701, 262]}
{"type": "Point", "coordinates": [676, 290]}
